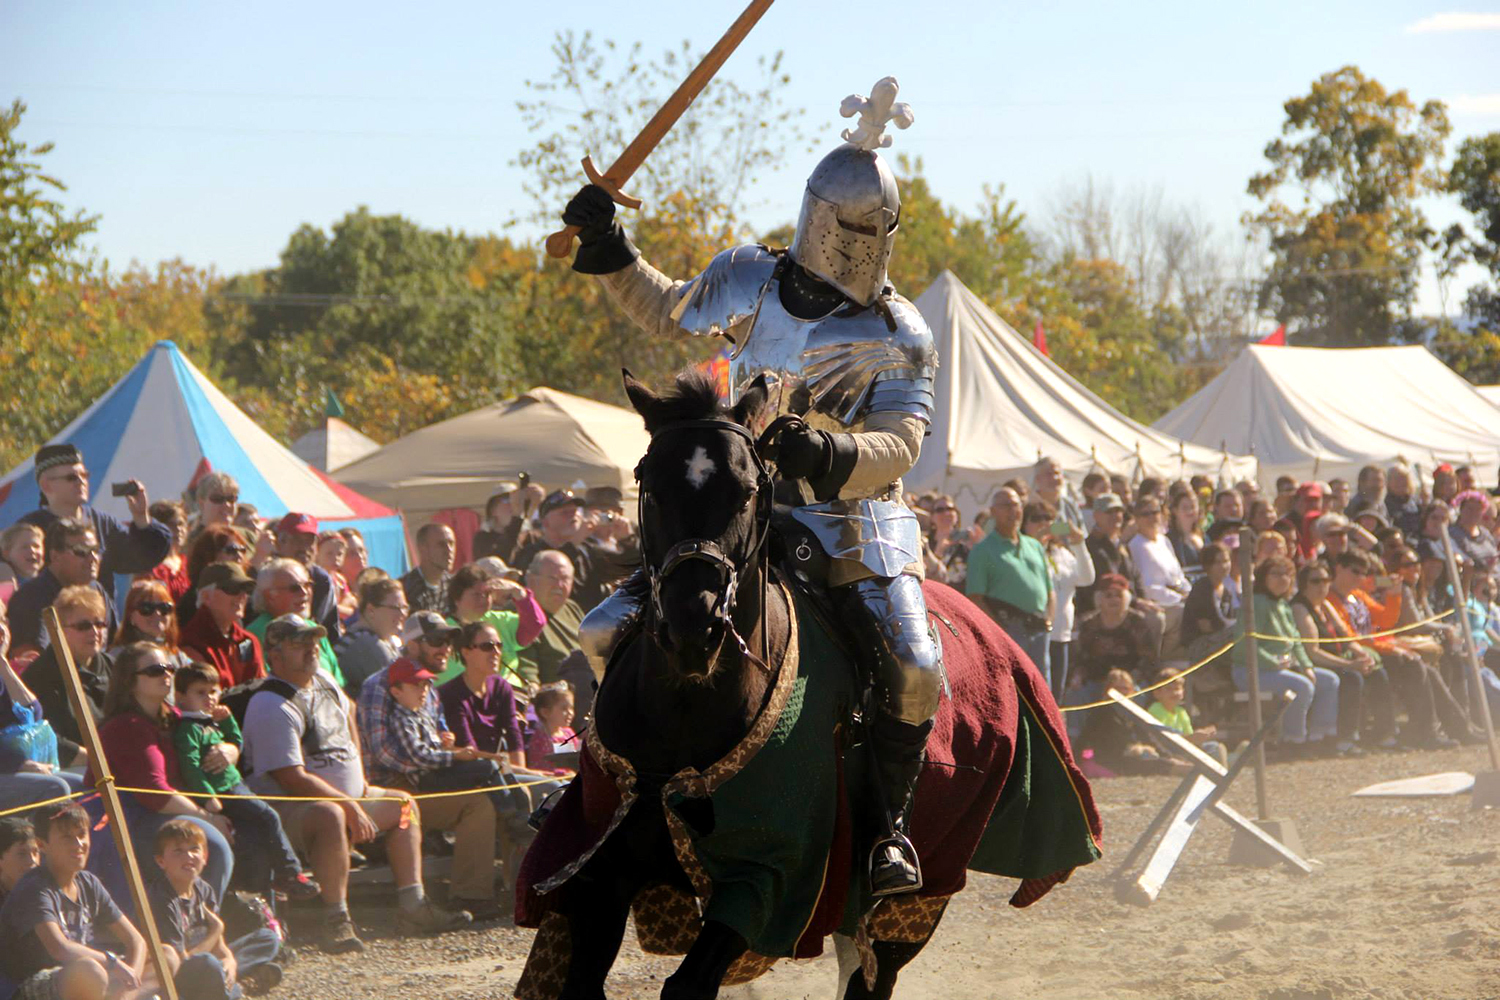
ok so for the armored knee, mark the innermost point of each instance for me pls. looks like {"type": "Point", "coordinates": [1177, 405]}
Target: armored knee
{"type": "Point", "coordinates": [913, 680]}
{"type": "Point", "coordinates": [602, 628]}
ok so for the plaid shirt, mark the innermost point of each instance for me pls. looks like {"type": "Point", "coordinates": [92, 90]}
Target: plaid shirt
{"type": "Point", "coordinates": [397, 741]}
{"type": "Point", "coordinates": [423, 596]}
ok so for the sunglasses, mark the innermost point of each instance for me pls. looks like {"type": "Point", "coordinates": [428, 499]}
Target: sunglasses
{"type": "Point", "coordinates": [156, 670]}
{"type": "Point", "coordinates": [488, 647]}
{"type": "Point", "coordinates": [89, 626]}
{"type": "Point", "coordinates": [154, 608]}
{"type": "Point", "coordinates": [437, 643]}
{"type": "Point", "coordinates": [296, 588]}
{"type": "Point", "coordinates": [232, 498]}
{"type": "Point", "coordinates": [83, 551]}
{"type": "Point", "coordinates": [71, 477]}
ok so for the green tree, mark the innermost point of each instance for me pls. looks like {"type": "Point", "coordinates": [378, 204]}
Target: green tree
{"type": "Point", "coordinates": [1344, 262]}
{"type": "Point", "coordinates": [1475, 179]}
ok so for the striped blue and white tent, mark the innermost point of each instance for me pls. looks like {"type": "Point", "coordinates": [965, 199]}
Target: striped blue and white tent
{"type": "Point", "coordinates": [166, 424]}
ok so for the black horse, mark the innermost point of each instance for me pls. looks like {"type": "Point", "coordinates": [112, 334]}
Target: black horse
{"type": "Point", "coordinates": [686, 689]}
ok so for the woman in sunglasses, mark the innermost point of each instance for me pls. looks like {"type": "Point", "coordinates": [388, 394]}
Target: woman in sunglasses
{"type": "Point", "coordinates": [220, 543]}
{"type": "Point", "coordinates": [150, 617]}
{"type": "Point", "coordinates": [137, 739]}
{"type": "Point", "coordinates": [85, 629]}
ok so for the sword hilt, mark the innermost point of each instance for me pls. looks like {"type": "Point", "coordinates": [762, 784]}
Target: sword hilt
{"type": "Point", "coordinates": [560, 243]}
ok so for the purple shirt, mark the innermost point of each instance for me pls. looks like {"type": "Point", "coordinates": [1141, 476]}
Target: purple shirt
{"type": "Point", "coordinates": [486, 720]}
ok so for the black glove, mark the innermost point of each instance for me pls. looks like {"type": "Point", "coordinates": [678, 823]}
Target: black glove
{"type": "Point", "coordinates": [602, 245]}
{"type": "Point", "coordinates": [803, 453]}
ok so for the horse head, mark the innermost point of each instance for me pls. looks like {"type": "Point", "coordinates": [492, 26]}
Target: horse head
{"type": "Point", "coordinates": [704, 514]}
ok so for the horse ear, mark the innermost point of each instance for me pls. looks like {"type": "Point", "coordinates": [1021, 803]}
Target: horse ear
{"type": "Point", "coordinates": [646, 402]}
{"type": "Point", "coordinates": [752, 401]}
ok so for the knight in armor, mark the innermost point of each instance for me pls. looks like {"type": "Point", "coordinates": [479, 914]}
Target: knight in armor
{"type": "Point", "coordinates": [843, 351]}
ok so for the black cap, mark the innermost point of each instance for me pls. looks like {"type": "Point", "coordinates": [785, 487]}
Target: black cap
{"type": "Point", "coordinates": [49, 456]}
{"type": "Point", "coordinates": [604, 498]}
{"type": "Point", "coordinates": [558, 499]}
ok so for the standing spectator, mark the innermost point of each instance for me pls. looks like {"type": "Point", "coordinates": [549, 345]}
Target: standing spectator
{"type": "Point", "coordinates": [1463, 478]}
{"type": "Point", "coordinates": [23, 552]}
{"type": "Point", "coordinates": [556, 654]}
{"type": "Point", "coordinates": [1362, 679]}
{"type": "Point", "coordinates": [215, 635]}
{"type": "Point", "coordinates": [427, 585]}
{"type": "Point", "coordinates": [1162, 580]}
{"type": "Point", "coordinates": [64, 485]}
{"type": "Point", "coordinates": [1403, 509]}
{"type": "Point", "coordinates": [150, 617]}
{"type": "Point", "coordinates": [1094, 483]}
{"type": "Point", "coordinates": [1338, 495]}
{"type": "Point", "coordinates": [85, 630]}
{"type": "Point", "coordinates": [490, 540]}
{"type": "Point", "coordinates": [1284, 665]}
{"type": "Point", "coordinates": [374, 643]}
{"type": "Point", "coordinates": [1369, 492]}
{"type": "Point", "coordinates": [1010, 581]}
{"type": "Point", "coordinates": [948, 542]}
{"type": "Point", "coordinates": [217, 495]}
{"type": "Point", "coordinates": [137, 740]}
{"type": "Point", "coordinates": [412, 748]}
{"type": "Point", "coordinates": [1444, 484]}
{"type": "Point", "coordinates": [560, 527]}
{"type": "Point", "coordinates": [1470, 539]}
{"type": "Point", "coordinates": [612, 548]}
{"type": "Point", "coordinates": [300, 740]}
{"type": "Point", "coordinates": [283, 587]}
{"type": "Point", "coordinates": [297, 538]}
{"type": "Point", "coordinates": [72, 561]}
{"type": "Point", "coordinates": [1071, 567]}
{"type": "Point", "coordinates": [329, 555]}
{"type": "Point", "coordinates": [1047, 481]}
{"type": "Point", "coordinates": [474, 593]}
{"type": "Point", "coordinates": [172, 570]}
{"type": "Point", "coordinates": [1228, 506]}
{"type": "Point", "coordinates": [356, 556]}
{"type": "Point", "coordinates": [220, 543]}
{"type": "Point", "coordinates": [52, 918]}
{"type": "Point", "coordinates": [1184, 533]}
{"type": "Point", "coordinates": [1286, 491]}
{"type": "Point", "coordinates": [1109, 554]}
{"type": "Point", "coordinates": [29, 770]}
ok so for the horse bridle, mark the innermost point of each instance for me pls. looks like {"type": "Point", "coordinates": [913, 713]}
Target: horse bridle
{"type": "Point", "coordinates": [706, 549]}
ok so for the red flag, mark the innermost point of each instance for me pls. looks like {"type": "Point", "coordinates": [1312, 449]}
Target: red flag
{"type": "Point", "coordinates": [1039, 339]}
{"type": "Point", "coordinates": [1276, 338]}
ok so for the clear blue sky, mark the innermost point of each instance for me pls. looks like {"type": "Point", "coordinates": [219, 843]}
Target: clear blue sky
{"type": "Point", "coordinates": [210, 131]}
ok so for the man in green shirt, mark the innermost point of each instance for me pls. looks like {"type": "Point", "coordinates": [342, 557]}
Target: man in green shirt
{"type": "Point", "coordinates": [282, 587]}
{"type": "Point", "coordinates": [1009, 579]}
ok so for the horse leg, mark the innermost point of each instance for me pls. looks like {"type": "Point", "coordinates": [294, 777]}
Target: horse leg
{"type": "Point", "coordinates": [890, 958]}
{"type": "Point", "coordinates": [597, 911]}
{"type": "Point", "coordinates": [702, 970]}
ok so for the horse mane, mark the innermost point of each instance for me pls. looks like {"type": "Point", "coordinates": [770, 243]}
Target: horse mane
{"type": "Point", "coordinates": [693, 396]}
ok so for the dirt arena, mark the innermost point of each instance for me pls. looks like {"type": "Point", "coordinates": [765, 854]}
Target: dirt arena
{"type": "Point", "coordinates": [1404, 904]}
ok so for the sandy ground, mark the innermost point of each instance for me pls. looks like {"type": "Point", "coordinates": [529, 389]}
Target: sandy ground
{"type": "Point", "coordinates": [1404, 904]}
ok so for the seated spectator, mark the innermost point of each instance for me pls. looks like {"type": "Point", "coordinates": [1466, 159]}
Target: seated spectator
{"type": "Point", "coordinates": [1071, 567]}
{"type": "Point", "coordinates": [51, 921]}
{"type": "Point", "coordinates": [375, 642]}
{"type": "Point", "coordinates": [261, 848]}
{"type": "Point", "coordinates": [300, 741]}
{"type": "Point", "coordinates": [220, 543]}
{"type": "Point", "coordinates": [1211, 613]}
{"type": "Point", "coordinates": [1185, 533]}
{"type": "Point", "coordinates": [427, 585]}
{"type": "Point", "coordinates": [283, 587]}
{"type": "Point", "coordinates": [1271, 545]}
{"type": "Point", "coordinates": [150, 617]}
{"type": "Point", "coordinates": [215, 635]}
{"type": "Point", "coordinates": [1162, 580]}
{"type": "Point", "coordinates": [1262, 517]}
{"type": "Point", "coordinates": [1284, 664]}
{"type": "Point", "coordinates": [22, 555]}
{"type": "Point", "coordinates": [172, 570]}
{"type": "Point", "coordinates": [1168, 709]}
{"type": "Point", "coordinates": [1109, 738]}
{"type": "Point", "coordinates": [137, 738]}
{"type": "Point", "coordinates": [553, 732]}
{"type": "Point", "coordinates": [1227, 506]}
{"type": "Point", "coordinates": [29, 770]}
{"type": "Point", "coordinates": [408, 746]}
{"type": "Point", "coordinates": [72, 561]}
{"type": "Point", "coordinates": [1469, 536]}
{"type": "Point", "coordinates": [1115, 636]}
{"type": "Point", "coordinates": [1363, 681]}
{"type": "Point", "coordinates": [1403, 509]}
{"type": "Point", "coordinates": [477, 594]}
{"type": "Point", "coordinates": [556, 654]}
{"type": "Point", "coordinates": [64, 484]}
{"type": "Point", "coordinates": [329, 554]}
{"type": "Point", "coordinates": [84, 628]}
{"type": "Point", "coordinates": [297, 539]}
{"type": "Point", "coordinates": [356, 557]}
{"type": "Point", "coordinates": [187, 919]}
{"type": "Point", "coordinates": [19, 852]}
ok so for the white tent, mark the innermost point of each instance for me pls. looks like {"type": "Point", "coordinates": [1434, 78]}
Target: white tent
{"type": "Point", "coordinates": [1490, 392]}
{"type": "Point", "coordinates": [1002, 404]}
{"type": "Point", "coordinates": [1312, 412]}
{"type": "Point", "coordinates": [556, 438]}
{"type": "Point", "coordinates": [333, 446]}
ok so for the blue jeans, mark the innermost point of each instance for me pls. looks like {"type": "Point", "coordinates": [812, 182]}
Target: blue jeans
{"type": "Point", "coordinates": [1057, 663]}
{"type": "Point", "coordinates": [261, 850]}
{"type": "Point", "coordinates": [201, 977]}
{"type": "Point", "coordinates": [143, 823]}
{"type": "Point", "coordinates": [1034, 644]}
{"type": "Point", "coordinates": [256, 948]}
{"type": "Point", "coordinates": [24, 788]}
{"type": "Point", "coordinates": [477, 774]}
{"type": "Point", "coordinates": [1314, 711]}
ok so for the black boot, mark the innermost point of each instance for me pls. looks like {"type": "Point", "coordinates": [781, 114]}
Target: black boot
{"type": "Point", "coordinates": [899, 752]}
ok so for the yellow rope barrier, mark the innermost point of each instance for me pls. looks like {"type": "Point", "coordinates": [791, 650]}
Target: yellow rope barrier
{"type": "Point", "coordinates": [1355, 638]}
{"type": "Point", "coordinates": [1159, 684]}
{"type": "Point", "coordinates": [28, 807]}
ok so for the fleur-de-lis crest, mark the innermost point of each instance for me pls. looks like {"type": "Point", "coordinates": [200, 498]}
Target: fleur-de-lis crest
{"type": "Point", "coordinates": [874, 112]}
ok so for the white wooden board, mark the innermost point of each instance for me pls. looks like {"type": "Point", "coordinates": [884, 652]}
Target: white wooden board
{"type": "Point", "coordinates": [1425, 786]}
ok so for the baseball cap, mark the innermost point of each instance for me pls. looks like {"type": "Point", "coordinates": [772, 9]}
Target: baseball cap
{"type": "Point", "coordinates": [1108, 501]}
{"type": "Point", "coordinates": [496, 566]}
{"type": "Point", "coordinates": [405, 671]}
{"type": "Point", "coordinates": [229, 577]}
{"type": "Point", "coordinates": [604, 498]}
{"type": "Point", "coordinates": [300, 524]}
{"type": "Point", "coordinates": [289, 627]}
{"type": "Point", "coordinates": [428, 625]}
{"type": "Point", "coordinates": [1310, 490]}
{"type": "Point", "coordinates": [558, 499]}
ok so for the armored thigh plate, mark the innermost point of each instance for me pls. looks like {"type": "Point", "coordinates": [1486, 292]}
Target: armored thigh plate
{"type": "Point", "coordinates": [604, 626]}
{"type": "Point", "coordinates": [883, 535]}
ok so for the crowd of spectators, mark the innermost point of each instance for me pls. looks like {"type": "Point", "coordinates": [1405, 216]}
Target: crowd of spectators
{"type": "Point", "coordinates": [270, 703]}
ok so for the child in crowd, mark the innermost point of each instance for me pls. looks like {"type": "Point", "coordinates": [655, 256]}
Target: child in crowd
{"type": "Point", "coordinates": [52, 917]}
{"type": "Point", "coordinates": [261, 847]}
{"type": "Point", "coordinates": [187, 917]}
{"type": "Point", "coordinates": [1169, 711]}
{"type": "Point", "coordinates": [1109, 733]}
{"type": "Point", "coordinates": [553, 732]}
{"type": "Point", "coordinates": [19, 852]}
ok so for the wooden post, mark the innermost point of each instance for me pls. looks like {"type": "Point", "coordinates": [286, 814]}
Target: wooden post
{"type": "Point", "coordinates": [99, 764]}
{"type": "Point", "coordinates": [1476, 682]}
{"type": "Point", "coordinates": [1252, 668]}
